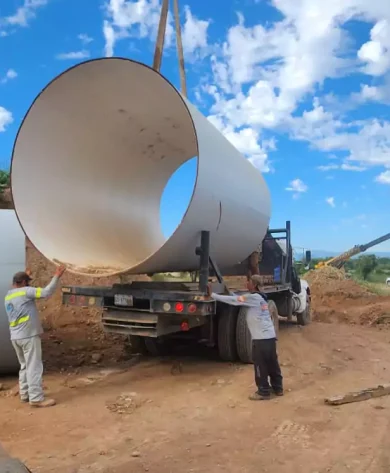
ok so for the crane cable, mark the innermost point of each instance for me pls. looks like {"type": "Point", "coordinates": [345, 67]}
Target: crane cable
{"type": "Point", "coordinates": [158, 52]}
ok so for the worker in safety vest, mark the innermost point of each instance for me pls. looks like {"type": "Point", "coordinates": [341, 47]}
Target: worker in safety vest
{"type": "Point", "coordinates": [26, 329]}
{"type": "Point", "coordinates": [262, 330]}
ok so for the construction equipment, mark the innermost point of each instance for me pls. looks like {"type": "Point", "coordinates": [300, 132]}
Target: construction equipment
{"type": "Point", "coordinates": [340, 260]}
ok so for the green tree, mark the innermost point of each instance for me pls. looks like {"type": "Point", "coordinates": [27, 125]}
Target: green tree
{"type": "Point", "coordinates": [4, 180]}
{"type": "Point", "coordinates": [299, 267]}
{"type": "Point", "coordinates": [366, 265]}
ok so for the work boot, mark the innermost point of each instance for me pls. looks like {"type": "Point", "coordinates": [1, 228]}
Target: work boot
{"type": "Point", "coordinates": [24, 399]}
{"type": "Point", "coordinates": [279, 393]}
{"type": "Point", "coordinates": [44, 403]}
{"type": "Point", "coordinates": [259, 397]}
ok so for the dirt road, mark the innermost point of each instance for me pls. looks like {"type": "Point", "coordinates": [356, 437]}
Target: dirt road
{"type": "Point", "coordinates": [147, 419]}
{"type": "Point", "coordinates": [116, 417]}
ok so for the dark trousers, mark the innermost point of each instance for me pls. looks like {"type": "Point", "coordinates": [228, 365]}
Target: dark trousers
{"type": "Point", "coordinates": [265, 359]}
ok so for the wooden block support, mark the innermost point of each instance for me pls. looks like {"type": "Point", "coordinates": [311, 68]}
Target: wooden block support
{"type": "Point", "coordinates": [363, 395]}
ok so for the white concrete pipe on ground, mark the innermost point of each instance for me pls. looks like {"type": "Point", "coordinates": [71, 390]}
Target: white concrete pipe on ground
{"type": "Point", "coordinates": [12, 260]}
{"type": "Point", "coordinates": [91, 161]}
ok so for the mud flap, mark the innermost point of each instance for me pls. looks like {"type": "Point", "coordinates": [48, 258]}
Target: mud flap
{"type": "Point", "coordinates": [227, 320]}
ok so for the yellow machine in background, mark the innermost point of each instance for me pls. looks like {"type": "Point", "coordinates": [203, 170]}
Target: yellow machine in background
{"type": "Point", "coordinates": [339, 261]}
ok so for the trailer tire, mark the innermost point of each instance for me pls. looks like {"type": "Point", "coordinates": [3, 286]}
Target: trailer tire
{"type": "Point", "coordinates": [304, 318]}
{"type": "Point", "coordinates": [243, 337]}
{"type": "Point", "coordinates": [227, 322]}
{"type": "Point", "coordinates": [157, 346]}
{"type": "Point", "coordinates": [273, 311]}
{"type": "Point", "coordinates": [135, 345]}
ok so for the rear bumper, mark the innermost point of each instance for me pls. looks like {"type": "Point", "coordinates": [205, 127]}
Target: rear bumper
{"type": "Point", "coordinates": [146, 324]}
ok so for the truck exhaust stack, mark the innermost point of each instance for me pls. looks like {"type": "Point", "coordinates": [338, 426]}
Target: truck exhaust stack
{"type": "Point", "coordinates": [91, 161]}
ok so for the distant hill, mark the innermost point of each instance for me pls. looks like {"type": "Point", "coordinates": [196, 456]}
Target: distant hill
{"type": "Point", "coordinates": [328, 254]}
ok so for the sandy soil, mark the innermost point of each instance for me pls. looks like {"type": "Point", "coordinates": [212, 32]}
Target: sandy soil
{"type": "Point", "coordinates": [120, 418]}
{"type": "Point", "coordinates": [335, 299]}
{"type": "Point", "coordinates": [121, 415]}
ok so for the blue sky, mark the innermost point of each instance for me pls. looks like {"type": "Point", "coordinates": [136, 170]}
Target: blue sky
{"type": "Point", "coordinates": [301, 87]}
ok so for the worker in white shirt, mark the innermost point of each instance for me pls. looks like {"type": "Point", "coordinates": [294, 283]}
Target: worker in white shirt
{"type": "Point", "coordinates": [26, 330]}
{"type": "Point", "coordinates": [268, 375]}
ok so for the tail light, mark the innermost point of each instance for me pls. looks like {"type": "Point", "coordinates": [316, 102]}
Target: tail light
{"type": "Point", "coordinates": [184, 326]}
{"type": "Point", "coordinates": [192, 308]}
{"type": "Point", "coordinates": [179, 307]}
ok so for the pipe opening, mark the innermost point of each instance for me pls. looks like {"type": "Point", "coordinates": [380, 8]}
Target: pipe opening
{"type": "Point", "coordinates": [92, 159]}
{"type": "Point", "coordinates": [176, 197]}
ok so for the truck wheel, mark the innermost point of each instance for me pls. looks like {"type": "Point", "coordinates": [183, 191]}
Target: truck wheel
{"type": "Point", "coordinates": [157, 346]}
{"type": "Point", "coordinates": [135, 345]}
{"type": "Point", "coordinates": [273, 310]}
{"type": "Point", "coordinates": [227, 322]}
{"type": "Point", "coordinates": [304, 318]}
{"type": "Point", "coordinates": [243, 337]}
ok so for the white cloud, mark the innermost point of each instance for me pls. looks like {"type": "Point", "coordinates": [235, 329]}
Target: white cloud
{"type": "Point", "coordinates": [328, 167]}
{"type": "Point", "coordinates": [137, 18]}
{"type": "Point", "coordinates": [265, 72]}
{"type": "Point", "coordinates": [353, 220]}
{"type": "Point", "coordinates": [377, 93]}
{"type": "Point", "coordinates": [330, 201]}
{"type": "Point", "coordinates": [376, 52]}
{"type": "Point", "coordinates": [109, 36]}
{"type": "Point", "coordinates": [351, 167]}
{"type": "Point", "coordinates": [343, 167]}
{"type": "Point", "coordinates": [24, 14]}
{"type": "Point", "coordinates": [9, 75]}
{"type": "Point", "coordinates": [140, 18]}
{"type": "Point", "coordinates": [194, 35]}
{"type": "Point", "coordinates": [83, 54]}
{"type": "Point", "coordinates": [367, 145]}
{"type": "Point", "coordinates": [384, 177]}
{"type": "Point", "coordinates": [248, 142]}
{"type": "Point", "coordinates": [297, 186]}
{"type": "Point", "coordinates": [283, 61]}
{"type": "Point", "coordinates": [6, 118]}
{"type": "Point", "coordinates": [84, 38]}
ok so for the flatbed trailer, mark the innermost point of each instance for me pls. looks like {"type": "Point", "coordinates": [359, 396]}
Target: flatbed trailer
{"type": "Point", "coordinates": [152, 314]}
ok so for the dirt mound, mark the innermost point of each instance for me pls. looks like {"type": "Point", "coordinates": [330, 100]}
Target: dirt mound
{"type": "Point", "coordinates": [337, 299]}
{"type": "Point", "coordinates": [73, 336]}
{"type": "Point", "coordinates": [332, 281]}
{"type": "Point", "coordinates": [6, 199]}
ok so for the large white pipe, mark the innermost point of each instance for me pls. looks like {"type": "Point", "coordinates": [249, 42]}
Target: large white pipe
{"type": "Point", "coordinates": [12, 260]}
{"type": "Point", "coordinates": [91, 161]}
